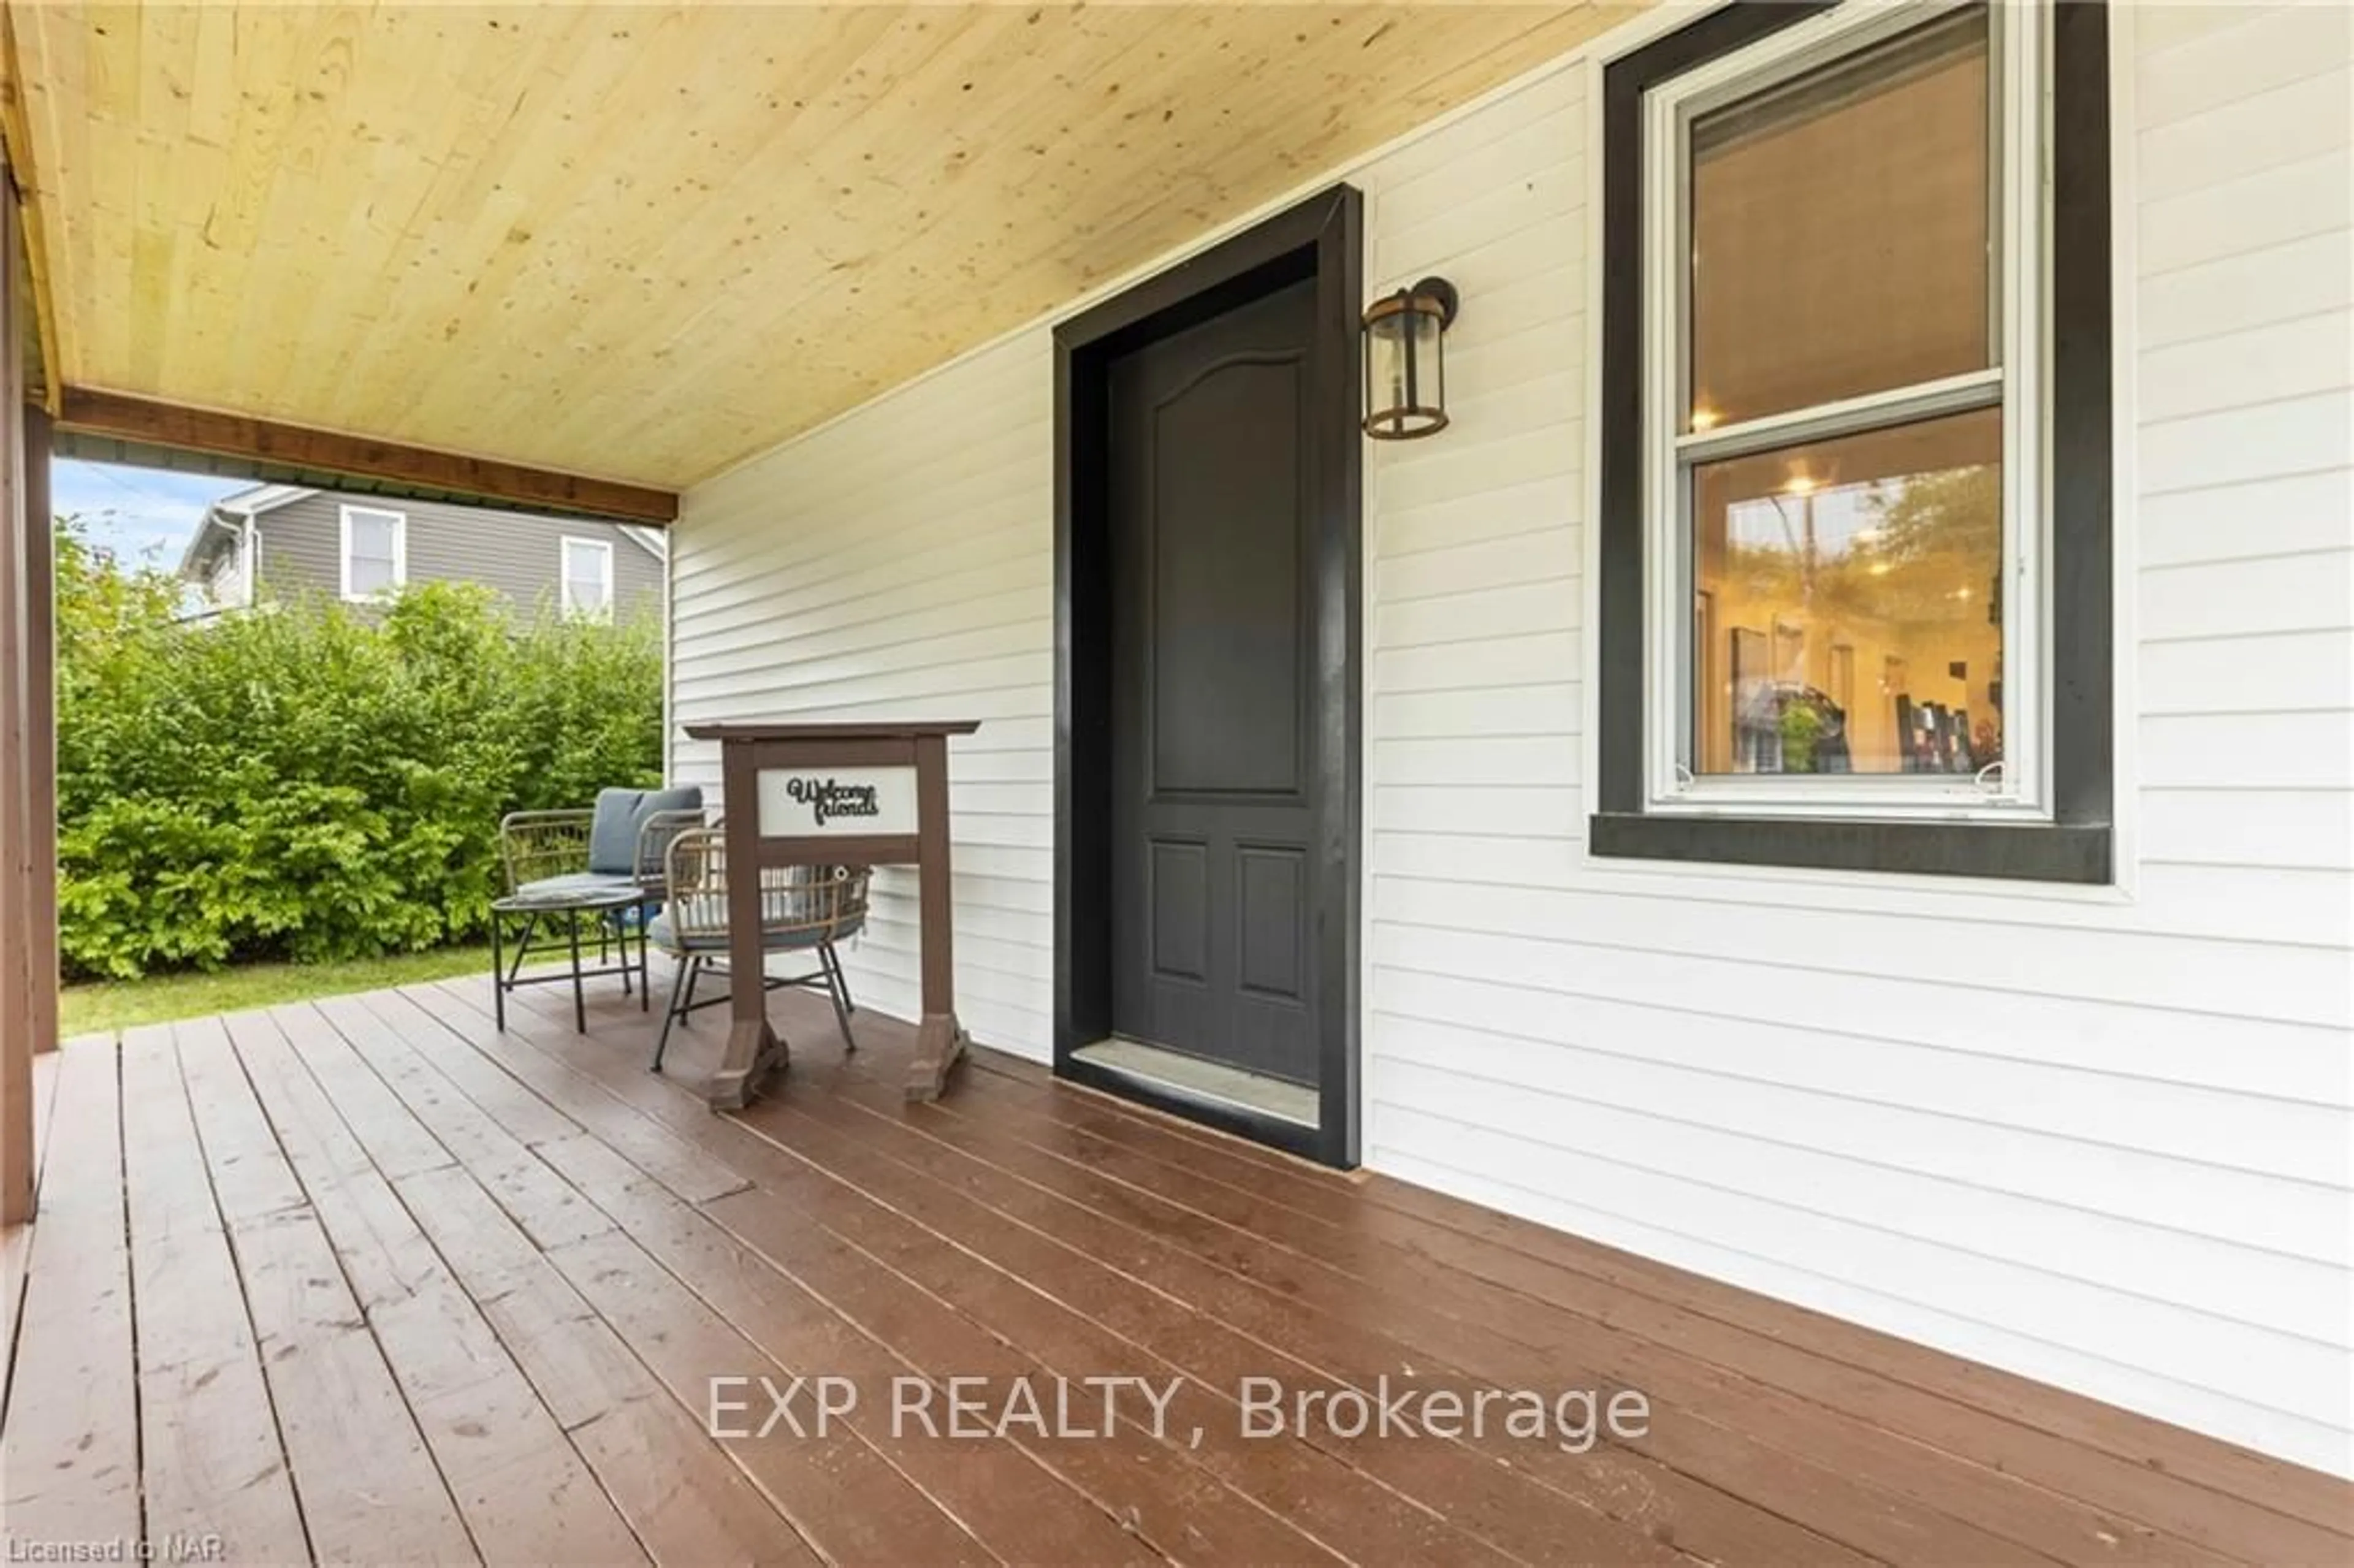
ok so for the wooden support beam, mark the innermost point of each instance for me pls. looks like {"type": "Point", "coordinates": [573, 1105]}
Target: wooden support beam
{"type": "Point", "coordinates": [22, 758]}
{"type": "Point", "coordinates": [16, 139]}
{"type": "Point", "coordinates": [40, 730]}
{"type": "Point", "coordinates": [128, 418]}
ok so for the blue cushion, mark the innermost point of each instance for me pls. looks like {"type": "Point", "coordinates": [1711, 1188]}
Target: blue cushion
{"type": "Point", "coordinates": [575, 882]}
{"type": "Point", "coordinates": [663, 936]}
{"type": "Point", "coordinates": [684, 798]}
{"type": "Point", "coordinates": [613, 827]}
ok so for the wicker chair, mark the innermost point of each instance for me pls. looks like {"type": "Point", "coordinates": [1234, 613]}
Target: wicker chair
{"type": "Point", "coordinates": [619, 845]}
{"type": "Point", "coordinates": [804, 909]}
{"type": "Point", "coordinates": [624, 839]}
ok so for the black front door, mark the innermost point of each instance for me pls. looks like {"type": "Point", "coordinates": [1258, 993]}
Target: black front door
{"type": "Point", "coordinates": [1213, 642]}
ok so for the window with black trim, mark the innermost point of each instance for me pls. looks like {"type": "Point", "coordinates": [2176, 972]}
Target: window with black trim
{"type": "Point", "coordinates": [1855, 595]}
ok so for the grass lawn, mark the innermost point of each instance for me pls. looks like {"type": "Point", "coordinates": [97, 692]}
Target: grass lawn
{"type": "Point", "coordinates": [119, 1004]}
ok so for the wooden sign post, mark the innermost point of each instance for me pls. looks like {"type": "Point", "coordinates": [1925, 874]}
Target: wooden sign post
{"type": "Point", "coordinates": [834, 794]}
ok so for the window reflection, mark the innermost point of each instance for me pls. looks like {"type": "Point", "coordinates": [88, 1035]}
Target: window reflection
{"type": "Point", "coordinates": [1848, 616]}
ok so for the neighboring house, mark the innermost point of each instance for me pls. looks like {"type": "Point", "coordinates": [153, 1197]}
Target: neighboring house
{"type": "Point", "coordinates": [274, 541]}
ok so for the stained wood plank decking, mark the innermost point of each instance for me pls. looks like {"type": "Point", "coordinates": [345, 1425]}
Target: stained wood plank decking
{"type": "Point", "coordinates": [365, 1279]}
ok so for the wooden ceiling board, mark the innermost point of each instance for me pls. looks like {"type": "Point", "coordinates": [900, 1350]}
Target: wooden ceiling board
{"type": "Point", "coordinates": [643, 243]}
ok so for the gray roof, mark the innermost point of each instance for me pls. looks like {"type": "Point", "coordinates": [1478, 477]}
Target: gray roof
{"type": "Point", "coordinates": [223, 521]}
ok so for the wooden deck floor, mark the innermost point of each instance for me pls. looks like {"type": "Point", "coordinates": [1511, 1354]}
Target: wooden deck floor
{"type": "Point", "coordinates": [365, 1280]}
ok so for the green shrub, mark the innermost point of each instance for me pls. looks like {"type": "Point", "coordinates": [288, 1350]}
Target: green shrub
{"type": "Point", "coordinates": [316, 782]}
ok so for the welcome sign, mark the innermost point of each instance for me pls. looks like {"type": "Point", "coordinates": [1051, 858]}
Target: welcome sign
{"type": "Point", "coordinates": [822, 794]}
{"type": "Point", "coordinates": [828, 803]}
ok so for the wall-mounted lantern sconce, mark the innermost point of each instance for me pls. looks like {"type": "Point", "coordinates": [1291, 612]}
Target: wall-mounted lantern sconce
{"type": "Point", "coordinates": [1405, 361]}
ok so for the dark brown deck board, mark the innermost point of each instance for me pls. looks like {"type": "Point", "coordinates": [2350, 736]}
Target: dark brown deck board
{"type": "Point", "coordinates": [525, 1494]}
{"type": "Point", "coordinates": [799, 1333]}
{"type": "Point", "coordinates": [1170, 1502]}
{"type": "Point", "coordinates": [1244, 1232]}
{"type": "Point", "coordinates": [488, 1211]}
{"type": "Point", "coordinates": [522, 1116]}
{"type": "Point", "coordinates": [2216, 1481]}
{"type": "Point", "coordinates": [687, 1171]}
{"type": "Point", "coordinates": [1460, 1488]}
{"type": "Point", "coordinates": [1001, 1494]}
{"type": "Point", "coordinates": [2079, 1488]}
{"type": "Point", "coordinates": [539, 1201]}
{"type": "Point", "coordinates": [1352, 1513]}
{"type": "Point", "coordinates": [368, 1485]}
{"type": "Point", "coordinates": [494, 1273]}
{"type": "Point", "coordinates": [2223, 1468]}
{"type": "Point", "coordinates": [686, 1501]}
{"type": "Point", "coordinates": [844, 1497]}
{"type": "Point", "coordinates": [1487, 1337]}
{"type": "Point", "coordinates": [16, 1240]}
{"type": "Point", "coordinates": [828, 1499]}
{"type": "Point", "coordinates": [1679, 1485]}
{"type": "Point", "coordinates": [69, 1457]}
{"type": "Point", "coordinates": [211, 1462]}
{"type": "Point", "coordinates": [1122, 1481]}
{"type": "Point", "coordinates": [1507, 1510]}
{"type": "Point", "coordinates": [1082, 1128]}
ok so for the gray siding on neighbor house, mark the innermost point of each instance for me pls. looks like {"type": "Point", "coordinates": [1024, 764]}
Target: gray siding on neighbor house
{"type": "Point", "coordinates": [515, 552]}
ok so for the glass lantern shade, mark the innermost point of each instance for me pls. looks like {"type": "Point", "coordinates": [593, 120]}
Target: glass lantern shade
{"type": "Point", "coordinates": [1405, 362]}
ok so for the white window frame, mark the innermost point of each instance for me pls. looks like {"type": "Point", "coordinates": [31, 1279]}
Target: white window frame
{"type": "Point", "coordinates": [564, 575]}
{"type": "Point", "coordinates": [2018, 791]}
{"type": "Point", "coordinates": [343, 516]}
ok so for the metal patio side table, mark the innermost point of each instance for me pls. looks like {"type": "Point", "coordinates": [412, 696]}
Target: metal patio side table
{"type": "Point", "coordinates": [607, 904]}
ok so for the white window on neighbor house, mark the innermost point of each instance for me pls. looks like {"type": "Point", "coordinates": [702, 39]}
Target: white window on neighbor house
{"type": "Point", "coordinates": [375, 552]}
{"type": "Point", "coordinates": [231, 585]}
{"type": "Point", "coordinates": [587, 582]}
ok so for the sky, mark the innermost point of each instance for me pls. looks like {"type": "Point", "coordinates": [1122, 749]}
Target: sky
{"type": "Point", "coordinates": [143, 514]}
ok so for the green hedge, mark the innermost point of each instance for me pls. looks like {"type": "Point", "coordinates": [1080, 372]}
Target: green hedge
{"type": "Point", "coordinates": [315, 782]}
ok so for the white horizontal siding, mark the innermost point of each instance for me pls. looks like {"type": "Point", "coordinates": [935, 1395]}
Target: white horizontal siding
{"type": "Point", "coordinates": [2104, 1138]}
{"type": "Point", "coordinates": [900, 564]}
{"type": "Point", "coordinates": [2101, 1140]}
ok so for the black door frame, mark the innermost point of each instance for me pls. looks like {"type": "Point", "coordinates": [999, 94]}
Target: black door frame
{"type": "Point", "coordinates": [1321, 238]}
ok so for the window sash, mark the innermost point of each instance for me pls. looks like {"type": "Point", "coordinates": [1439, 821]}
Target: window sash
{"type": "Point", "coordinates": [388, 560]}
{"type": "Point", "coordinates": [586, 570]}
{"type": "Point", "coordinates": [1848, 417]}
{"type": "Point", "coordinates": [2019, 789]}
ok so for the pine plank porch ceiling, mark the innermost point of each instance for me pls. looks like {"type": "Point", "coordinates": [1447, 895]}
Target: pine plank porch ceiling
{"type": "Point", "coordinates": [641, 243]}
{"type": "Point", "coordinates": [365, 1279]}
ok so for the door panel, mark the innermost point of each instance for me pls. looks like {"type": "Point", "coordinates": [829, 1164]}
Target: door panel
{"type": "Point", "coordinates": [1274, 913]}
{"type": "Point", "coordinates": [1181, 910]}
{"type": "Point", "coordinates": [1212, 646]}
{"type": "Point", "coordinates": [1225, 579]}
